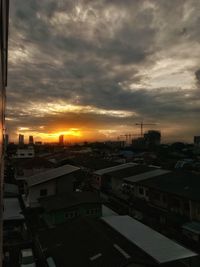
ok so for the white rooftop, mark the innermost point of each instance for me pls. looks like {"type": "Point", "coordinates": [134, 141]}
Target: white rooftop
{"type": "Point", "coordinates": [27, 252]}
{"type": "Point", "coordinates": [51, 174]}
{"type": "Point", "coordinates": [115, 168]}
{"type": "Point", "coordinates": [161, 248]}
{"type": "Point", "coordinates": [12, 209]}
{"type": "Point", "coordinates": [146, 175]}
{"type": "Point", "coordinates": [11, 189]}
{"type": "Point", "coordinates": [107, 211]}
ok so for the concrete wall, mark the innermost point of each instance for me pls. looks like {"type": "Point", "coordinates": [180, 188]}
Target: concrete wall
{"type": "Point", "coordinates": [34, 192]}
{"type": "Point", "coordinates": [84, 210]}
{"type": "Point", "coordinates": [65, 183]}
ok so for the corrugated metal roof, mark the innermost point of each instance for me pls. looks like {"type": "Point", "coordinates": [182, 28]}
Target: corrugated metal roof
{"type": "Point", "coordinates": [115, 168]}
{"type": "Point", "coordinates": [12, 209]}
{"type": "Point", "coordinates": [192, 227]}
{"type": "Point", "coordinates": [146, 175]}
{"type": "Point", "coordinates": [106, 212]}
{"type": "Point", "coordinates": [51, 174]}
{"type": "Point", "coordinates": [159, 247]}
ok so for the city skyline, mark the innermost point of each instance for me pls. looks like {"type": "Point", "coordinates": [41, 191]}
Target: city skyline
{"type": "Point", "coordinates": [91, 70]}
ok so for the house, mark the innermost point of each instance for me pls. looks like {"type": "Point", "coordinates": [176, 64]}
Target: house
{"type": "Point", "coordinates": [13, 219]}
{"type": "Point", "coordinates": [111, 179]}
{"type": "Point", "coordinates": [28, 167]}
{"type": "Point", "coordinates": [60, 208]}
{"type": "Point", "coordinates": [23, 153]}
{"type": "Point", "coordinates": [168, 198]}
{"type": "Point", "coordinates": [52, 182]}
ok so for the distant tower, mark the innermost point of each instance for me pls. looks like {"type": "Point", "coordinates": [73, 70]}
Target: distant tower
{"type": "Point", "coordinates": [6, 140]}
{"type": "Point", "coordinates": [152, 138]}
{"type": "Point", "coordinates": [21, 139]}
{"type": "Point", "coordinates": [61, 139]}
{"type": "Point", "coordinates": [31, 141]}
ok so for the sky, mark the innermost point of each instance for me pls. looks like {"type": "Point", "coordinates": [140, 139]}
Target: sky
{"type": "Point", "coordinates": [92, 69]}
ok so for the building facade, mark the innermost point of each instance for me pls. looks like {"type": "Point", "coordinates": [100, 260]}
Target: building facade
{"type": "Point", "coordinates": [21, 139]}
{"type": "Point", "coordinates": [4, 6]}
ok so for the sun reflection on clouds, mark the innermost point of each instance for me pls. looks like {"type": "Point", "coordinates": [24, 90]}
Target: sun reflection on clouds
{"type": "Point", "coordinates": [40, 109]}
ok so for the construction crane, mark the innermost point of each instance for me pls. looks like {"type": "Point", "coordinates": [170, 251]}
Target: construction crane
{"type": "Point", "coordinates": [142, 124]}
{"type": "Point", "coordinates": [128, 137]}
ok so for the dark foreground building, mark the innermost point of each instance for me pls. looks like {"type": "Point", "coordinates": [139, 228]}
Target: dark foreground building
{"type": "Point", "coordinates": [3, 82]}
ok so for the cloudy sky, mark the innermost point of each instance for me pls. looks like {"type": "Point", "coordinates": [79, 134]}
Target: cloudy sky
{"type": "Point", "coordinates": [91, 69]}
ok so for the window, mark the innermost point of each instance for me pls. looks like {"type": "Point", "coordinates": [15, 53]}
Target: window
{"type": "Point", "coordinates": [141, 191]}
{"type": "Point", "coordinates": [43, 192]}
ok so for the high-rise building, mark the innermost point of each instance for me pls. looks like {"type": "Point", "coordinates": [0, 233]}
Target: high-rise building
{"type": "Point", "coordinates": [61, 139]}
{"type": "Point", "coordinates": [152, 138]}
{"type": "Point", "coordinates": [21, 139]}
{"type": "Point", "coordinates": [31, 140]}
{"type": "Point", "coordinates": [4, 6]}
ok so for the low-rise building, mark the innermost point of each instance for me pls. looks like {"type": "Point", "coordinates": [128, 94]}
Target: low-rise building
{"type": "Point", "coordinates": [52, 182]}
{"type": "Point", "coordinates": [111, 179]}
{"type": "Point", "coordinates": [168, 198]}
{"type": "Point", "coordinates": [60, 208]}
{"type": "Point", "coordinates": [25, 153]}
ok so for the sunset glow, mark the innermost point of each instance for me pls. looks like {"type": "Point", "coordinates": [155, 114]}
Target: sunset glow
{"type": "Point", "coordinates": [91, 70]}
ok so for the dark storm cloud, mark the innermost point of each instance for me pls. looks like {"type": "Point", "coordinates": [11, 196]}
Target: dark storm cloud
{"type": "Point", "coordinates": [94, 53]}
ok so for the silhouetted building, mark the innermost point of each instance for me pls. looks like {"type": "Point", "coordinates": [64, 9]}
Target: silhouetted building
{"type": "Point", "coordinates": [31, 141]}
{"type": "Point", "coordinates": [139, 143]}
{"type": "Point", "coordinates": [61, 139]}
{"type": "Point", "coordinates": [152, 138]}
{"type": "Point", "coordinates": [21, 139]}
{"type": "Point", "coordinates": [197, 141]}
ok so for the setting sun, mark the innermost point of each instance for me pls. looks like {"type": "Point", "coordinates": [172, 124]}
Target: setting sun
{"type": "Point", "coordinates": [71, 132]}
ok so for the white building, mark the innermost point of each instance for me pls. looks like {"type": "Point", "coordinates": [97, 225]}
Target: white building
{"type": "Point", "coordinates": [52, 182]}
{"type": "Point", "coordinates": [25, 153]}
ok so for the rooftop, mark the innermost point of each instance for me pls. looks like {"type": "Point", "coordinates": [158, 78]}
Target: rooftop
{"type": "Point", "coordinates": [192, 227]}
{"type": "Point", "coordinates": [68, 200]}
{"type": "Point", "coordinates": [89, 242]}
{"type": "Point", "coordinates": [145, 175]}
{"type": "Point", "coordinates": [37, 162]}
{"type": "Point", "coordinates": [115, 168]}
{"type": "Point", "coordinates": [93, 163]}
{"type": "Point", "coordinates": [10, 190]}
{"type": "Point", "coordinates": [51, 174]}
{"type": "Point", "coordinates": [159, 247]}
{"type": "Point", "coordinates": [12, 209]}
{"type": "Point", "coordinates": [184, 184]}
{"type": "Point", "coordinates": [130, 171]}
{"type": "Point", "coordinates": [106, 211]}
